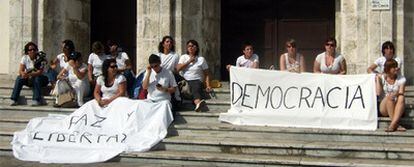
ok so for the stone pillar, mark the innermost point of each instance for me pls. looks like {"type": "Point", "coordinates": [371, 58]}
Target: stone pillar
{"type": "Point", "coordinates": [184, 20]}
{"type": "Point", "coordinates": [62, 20]}
{"type": "Point", "coordinates": [5, 34]}
{"type": "Point", "coordinates": [201, 22]}
{"type": "Point", "coordinates": [409, 40]}
{"type": "Point", "coordinates": [154, 20]}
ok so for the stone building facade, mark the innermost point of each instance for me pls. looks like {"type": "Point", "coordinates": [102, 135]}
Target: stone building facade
{"type": "Point", "coordinates": [359, 29]}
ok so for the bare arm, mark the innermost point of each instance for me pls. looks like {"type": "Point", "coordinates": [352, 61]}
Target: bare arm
{"type": "Point", "coordinates": [371, 69]}
{"type": "Point", "coordinates": [302, 64]}
{"type": "Point", "coordinates": [378, 85]}
{"type": "Point", "coordinates": [61, 73]}
{"type": "Point", "coordinates": [184, 65]}
{"type": "Point", "coordinates": [145, 83]}
{"type": "Point", "coordinates": [90, 72]}
{"type": "Point", "coordinates": [282, 63]}
{"type": "Point", "coordinates": [343, 67]}
{"type": "Point", "coordinates": [316, 67]}
{"type": "Point", "coordinates": [207, 80]}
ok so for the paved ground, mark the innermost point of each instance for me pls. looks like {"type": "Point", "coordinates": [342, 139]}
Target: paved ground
{"type": "Point", "coordinates": [8, 161]}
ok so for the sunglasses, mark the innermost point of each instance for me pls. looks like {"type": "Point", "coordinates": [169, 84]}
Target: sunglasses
{"type": "Point", "coordinates": [330, 44]}
{"type": "Point", "coordinates": [290, 46]}
{"type": "Point", "coordinates": [113, 66]}
{"type": "Point", "coordinates": [155, 66]}
{"type": "Point", "coordinates": [31, 50]}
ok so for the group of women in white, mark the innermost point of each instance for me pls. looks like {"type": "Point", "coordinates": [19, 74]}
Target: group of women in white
{"type": "Point", "coordinates": [390, 83]}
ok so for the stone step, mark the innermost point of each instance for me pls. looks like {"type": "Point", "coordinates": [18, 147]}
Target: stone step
{"type": "Point", "coordinates": [200, 158]}
{"type": "Point", "coordinates": [255, 132]}
{"type": "Point", "coordinates": [19, 114]}
{"type": "Point", "coordinates": [333, 149]}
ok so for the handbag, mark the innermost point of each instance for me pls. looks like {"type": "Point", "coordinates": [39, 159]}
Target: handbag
{"type": "Point", "coordinates": [67, 99]}
{"type": "Point", "coordinates": [185, 89]}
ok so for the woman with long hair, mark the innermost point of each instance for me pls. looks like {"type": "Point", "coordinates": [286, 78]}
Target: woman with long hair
{"type": "Point", "coordinates": [291, 60]}
{"type": "Point", "coordinates": [110, 85]}
{"type": "Point", "coordinates": [390, 88]}
{"type": "Point", "coordinates": [330, 61]}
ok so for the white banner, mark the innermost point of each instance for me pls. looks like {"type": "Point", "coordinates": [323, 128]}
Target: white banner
{"type": "Point", "coordinates": [94, 134]}
{"type": "Point", "coordinates": [277, 98]}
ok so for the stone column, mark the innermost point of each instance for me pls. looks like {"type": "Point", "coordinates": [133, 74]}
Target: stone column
{"type": "Point", "coordinates": [154, 20]}
{"type": "Point", "coordinates": [409, 40]}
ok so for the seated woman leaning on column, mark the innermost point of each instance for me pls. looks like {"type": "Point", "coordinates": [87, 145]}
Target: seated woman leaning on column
{"type": "Point", "coordinates": [73, 77]}
{"type": "Point", "coordinates": [31, 73]}
{"type": "Point", "coordinates": [330, 62]}
{"type": "Point", "coordinates": [390, 88]}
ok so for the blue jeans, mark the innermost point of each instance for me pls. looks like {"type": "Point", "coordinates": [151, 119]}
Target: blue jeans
{"type": "Point", "coordinates": [51, 75]}
{"type": "Point", "coordinates": [35, 82]}
{"type": "Point", "coordinates": [130, 79]}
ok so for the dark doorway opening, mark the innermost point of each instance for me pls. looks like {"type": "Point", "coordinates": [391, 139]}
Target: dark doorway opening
{"type": "Point", "coordinates": [267, 24]}
{"type": "Point", "coordinates": [116, 21]}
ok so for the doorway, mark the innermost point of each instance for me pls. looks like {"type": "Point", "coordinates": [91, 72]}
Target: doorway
{"type": "Point", "coordinates": [267, 24]}
{"type": "Point", "coordinates": [116, 21]}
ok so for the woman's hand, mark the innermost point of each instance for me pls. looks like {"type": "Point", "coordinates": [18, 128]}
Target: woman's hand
{"type": "Point", "coordinates": [208, 89]}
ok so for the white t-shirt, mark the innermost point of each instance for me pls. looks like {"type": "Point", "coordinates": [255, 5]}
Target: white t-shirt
{"type": "Point", "coordinates": [72, 76]}
{"type": "Point", "coordinates": [243, 62]}
{"type": "Point", "coordinates": [108, 92]}
{"type": "Point", "coordinates": [61, 60]}
{"type": "Point", "coordinates": [169, 61]}
{"type": "Point", "coordinates": [334, 67]}
{"type": "Point", "coordinates": [164, 78]}
{"type": "Point", "coordinates": [194, 71]}
{"type": "Point", "coordinates": [394, 88]}
{"type": "Point", "coordinates": [27, 62]}
{"type": "Point", "coordinates": [381, 61]}
{"type": "Point", "coordinates": [120, 59]}
{"type": "Point", "coordinates": [96, 62]}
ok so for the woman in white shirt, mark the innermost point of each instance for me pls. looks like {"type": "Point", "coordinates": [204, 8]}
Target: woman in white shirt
{"type": "Point", "coordinates": [166, 51]}
{"type": "Point", "coordinates": [31, 72]}
{"type": "Point", "coordinates": [76, 76]}
{"type": "Point", "coordinates": [292, 61]}
{"type": "Point", "coordinates": [388, 52]}
{"type": "Point", "coordinates": [195, 70]}
{"type": "Point", "coordinates": [248, 59]}
{"type": "Point", "coordinates": [390, 88]}
{"type": "Point", "coordinates": [95, 61]}
{"type": "Point", "coordinates": [330, 62]}
{"type": "Point", "coordinates": [124, 66]}
{"type": "Point", "coordinates": [110, 85]}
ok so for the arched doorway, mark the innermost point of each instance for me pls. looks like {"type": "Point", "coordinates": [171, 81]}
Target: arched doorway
{"type": "Point", "coordinates": [267, 24]}
{"type": "Point", "coordinates": [115, 20]}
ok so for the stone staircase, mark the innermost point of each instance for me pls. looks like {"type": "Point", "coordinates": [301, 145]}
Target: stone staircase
{"type": "Point", "coordinates": [199, 139]}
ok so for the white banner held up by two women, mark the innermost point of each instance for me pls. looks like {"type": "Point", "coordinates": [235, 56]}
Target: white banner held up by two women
{"type": "Point", "coordinates": [277, 98]}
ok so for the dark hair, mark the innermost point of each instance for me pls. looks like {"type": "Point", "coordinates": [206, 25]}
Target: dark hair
{"type": "Point", "coordinates": [161, 47]}
{"type": "Point", "coordinates": [391, 63]}
{"type": "Point", "coordinates": [98, 46]}
{"type": "Point", "coordinates": [194, 42]}
{"type": "Point", "coordinates": [75, 56]}
{"type": "Point", "coordinates": [246, 44]}
{"type": "Point", "coordinates": [26, 47]}
{"type": "Point", "coordinates": [105, 67]}
{"type": "Point", "coordinates": [291, 42]}
{"type": "Point", "coordinates": [154, 59]}
{"type": "Point", "coordinates": [331, 39]}
{"type": "Point", "coordinates": [69, 45]}
{"type": "Point", "coordinates": [387, 44]}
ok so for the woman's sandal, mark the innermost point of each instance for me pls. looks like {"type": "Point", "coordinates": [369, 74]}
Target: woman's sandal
{"type": "Point", "coordinates": [401, 128]}
{"type": "Point", "coordinates": [389, 129]}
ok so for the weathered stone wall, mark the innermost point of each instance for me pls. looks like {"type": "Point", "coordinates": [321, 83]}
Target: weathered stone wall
{"type": "Point", "coordinates": [409, 40]}
{"type": "Point", "coordinates": [361, 32]}
{"type": "Point", "coordinates": [4, 34]}
{"type": "Point", "coordinates": [184, 20]}
{"type": "Point", "coordinates": [65, 20]}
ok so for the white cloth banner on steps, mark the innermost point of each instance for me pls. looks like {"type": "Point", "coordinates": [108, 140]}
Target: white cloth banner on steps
{"type": "Point", "coordinates": [278, 98]}
{"type": "Point", "coordinates": [94, 134]}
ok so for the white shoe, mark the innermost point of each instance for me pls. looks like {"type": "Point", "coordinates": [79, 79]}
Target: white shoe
{"type": "Point", "coordinates": [199, 106]}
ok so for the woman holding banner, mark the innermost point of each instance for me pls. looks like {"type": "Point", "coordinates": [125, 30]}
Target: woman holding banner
{"type": "Point", "coordinates": [195, 70]}
{"type": "Point", "coordinates": [248, 59]}
{"type": "Point", "coordinates": [292, 61]}
{"type": "Point", "coordinates": [330, 62]}
{"type": "Point", "coordinates": [390, 87]}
